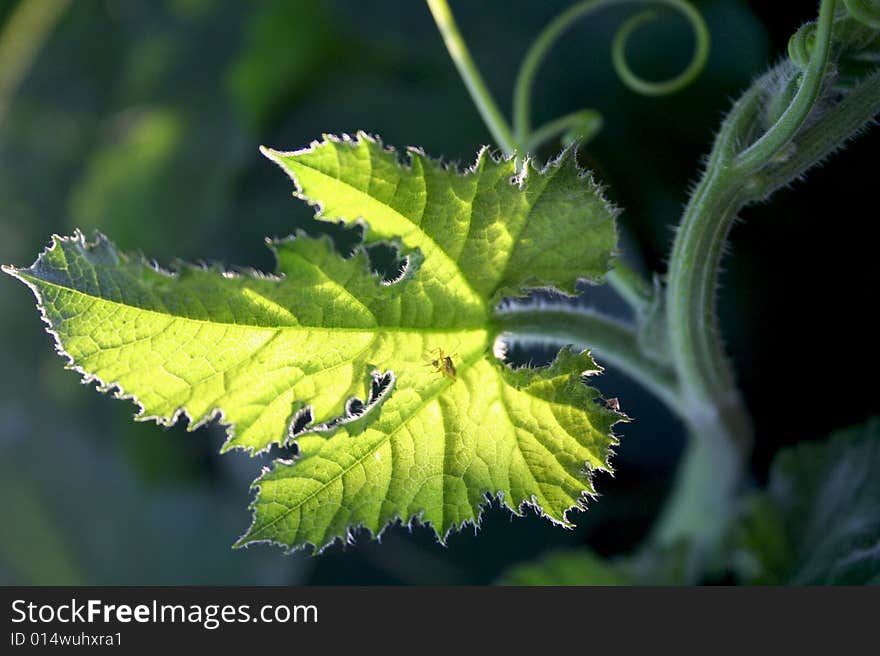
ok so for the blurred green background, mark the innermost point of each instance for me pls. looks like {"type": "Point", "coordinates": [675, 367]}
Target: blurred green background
{"type": "Point", "coordinates": [142, 118]}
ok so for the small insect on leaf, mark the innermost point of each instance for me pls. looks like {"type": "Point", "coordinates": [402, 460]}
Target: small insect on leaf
{"type": "Point", "coordinates": [443, 364]}
{"type": "Point", "coordinates": [613, 404]}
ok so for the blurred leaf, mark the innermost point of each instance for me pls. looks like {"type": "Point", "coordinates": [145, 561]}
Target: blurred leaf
{"type": "Point", "coordinates": [191, 8]}
{"type": "Point", "coordinates": [124, 178]}
{"type": "Point", "coordinates": [581, 567]}
{"type": "Point", "coordinates": [22, 35]}
{"type": "Point", "coordinates": [818, 522]}
{"type": "Point", "coordinates": [286, 47]}
{"type": "Point", "coordinates": [31, 548]}
{"type": "Point", "coordinates": [76, 515]}
{"type": "Point", "coordinates": [149, 61]}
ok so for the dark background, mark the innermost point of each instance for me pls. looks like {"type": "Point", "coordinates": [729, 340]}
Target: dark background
{"type": "Point", "coordinates": [142, 119]}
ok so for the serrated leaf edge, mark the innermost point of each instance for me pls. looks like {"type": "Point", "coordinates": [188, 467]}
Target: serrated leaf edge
{"type": "Point", "coordinates": [215, 414]}
{"type": "Point", "coordinates": [353, 530]}
{"type": "Point", "coordinates": [518, 179]}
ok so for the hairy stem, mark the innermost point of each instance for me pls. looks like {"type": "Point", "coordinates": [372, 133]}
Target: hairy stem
{"type": "Point", "coordinates": [630, 286]}
{"type": "Point", "coordinates": [743, 167]}
{"type": "Point", "coordinates": [818, 141]}
{"type": "Point", "coordinates": [719, 425]}
{"type": "Point", "coordinates": [613, 341]}
{"type": "Point", "coordinates": [794, 116]}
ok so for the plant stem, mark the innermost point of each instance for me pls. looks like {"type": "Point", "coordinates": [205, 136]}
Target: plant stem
{"type": "Point", "coordinates": [614, 342]}
{"type": "Point", "coordinates": [866, 11]}
{"type": "Point", "coordinates": [794, 116]}
{"type": "Point", "coordinates": [718, 425]}
{"type": "Point", "coordinates": [821, 139]}
{"type": "Point", "coordinates": [630, 286]}
{"type": "Point", "coordinates": [458, 51]}
{"type": "Point", "coordinates": [720, 428]}
{"type": "Point", "coordinates": [698, 510]}
{"type": "Point", "coordinates": [700, 386]}
{"type": "Point", "coordinates": [696, 256]}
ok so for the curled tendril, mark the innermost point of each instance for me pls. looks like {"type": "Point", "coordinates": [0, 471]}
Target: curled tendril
{"type": "Point", "coordinates": [865, 11]}
{"type": "Point", "coordinates": [801, 44]}
{"type": "Point", "coordinates": [535, 56]}
{"type": "Point", "coordinates": [664, 87]}
{"type": "Point", "coordinates": [792, 119]}
{"type": "Point", "coordinates": [856, 43]}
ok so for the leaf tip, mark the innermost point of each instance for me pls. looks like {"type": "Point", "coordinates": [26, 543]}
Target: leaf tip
{"type": "Point", "coordinates": [271, 154]}
{"type": "Point", "coordinates": [10, 270]}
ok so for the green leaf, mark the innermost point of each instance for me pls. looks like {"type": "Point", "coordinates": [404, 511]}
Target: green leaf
{"type": "Point", "coordinates": [558, 568]}
{"type": "Point", "coordinates": [285, 52]}
{"type": "Point", "coordinates": [817, 521]}
{"type": "Point", "coordinates": [327, 355]}
{"type": "Point", "coordinates": [483, 234]}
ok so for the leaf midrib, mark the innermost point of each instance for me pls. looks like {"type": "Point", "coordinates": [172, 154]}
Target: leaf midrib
{"type": "Point", "coordinates": [298, 327]}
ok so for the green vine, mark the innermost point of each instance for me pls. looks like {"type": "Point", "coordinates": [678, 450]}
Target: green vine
{"type": "Point", "coordinates": [393, 393]}
{"type": "Point", "coordinates": [787, 122]}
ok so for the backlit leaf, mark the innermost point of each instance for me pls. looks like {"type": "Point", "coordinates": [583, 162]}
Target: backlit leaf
{"type": "Point", "coordinates": [327, 355]}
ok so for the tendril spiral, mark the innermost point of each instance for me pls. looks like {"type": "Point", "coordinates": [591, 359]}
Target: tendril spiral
{"type": "Point", "coordinates": [801, 43]}
{"type": "Point", "coordinates": [551, 33]}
